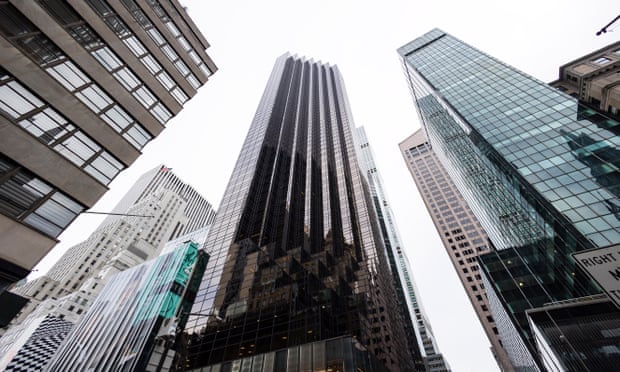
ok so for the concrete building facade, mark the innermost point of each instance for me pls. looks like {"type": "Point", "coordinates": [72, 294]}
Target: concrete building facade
{"type": "Point", "coordinates": [594, 79]}
{"type": "Point", "coordinates": [459, 230]}
{"type": "Point", "coordinates": [420, 336]}
{"type": "Point", "coordinates": [83, 88]}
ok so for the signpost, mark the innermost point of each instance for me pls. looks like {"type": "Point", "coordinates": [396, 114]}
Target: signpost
{"type": "Point", "coordinates": [603, 265]}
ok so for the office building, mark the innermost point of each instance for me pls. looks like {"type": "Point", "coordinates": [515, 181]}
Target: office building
{"type": "Point", "coordinates": [594, 80]}
{"type": "Point", "coordinates": [302, 269]}
{"type": "Point", "coordinates": [84, 86]}
{"type": "Point", "coordinates": [140, 234]}
{"type": "Point", "coordinates": [422, 344]}
{"type": "Point", "coordinates": [128, 327]}
{"type": "Point", "coordinates": [459, 230]}
{"type": "Point", "coordinates": [539, 171]}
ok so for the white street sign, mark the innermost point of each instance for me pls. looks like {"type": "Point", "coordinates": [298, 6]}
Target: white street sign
{"type": "Point", "coordinates": [603, 265]}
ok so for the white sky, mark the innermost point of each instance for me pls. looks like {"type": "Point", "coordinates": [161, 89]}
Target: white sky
{"type": "Point", "coordinates": [202, 143]}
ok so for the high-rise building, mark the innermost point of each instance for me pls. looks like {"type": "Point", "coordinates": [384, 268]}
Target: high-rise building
{"type": "Point", "coordinates": [139, 233]}
{"type": "Point", "coordinates": [130, 326]}
{"type": "Point", "coordinates": [539, 171]}
{"type": "Point", "coordinates": [302, 280]}
{"type": "Point", "coordinates": [84, 86]}
{"type": "Point", "coordinates": [594, 80]}
{"type": "Point", "coordinates": [422, 344]}
{"type": "Point", "coordinates": [459, 230]}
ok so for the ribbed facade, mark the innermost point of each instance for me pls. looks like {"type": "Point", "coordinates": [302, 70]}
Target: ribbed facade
{"type": "Point", "coordinates": [302, 254]}
{"type": "Point", "coordinates": [84, 86]}
{"type": "Point", "coordinates": [420, 338]}
{"type": "Point", "coordinates": [459, 230]}
{"type": "Point", "coordinates": [198, 210]}
{"type": "Point", "coordinates": [160, 214]}
{"type": "Point", "coordinates": [539, 170]}
{"type": "Point", "coordinates": [118, 333]}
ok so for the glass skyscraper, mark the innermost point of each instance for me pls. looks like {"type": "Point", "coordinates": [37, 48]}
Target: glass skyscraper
{"type": "Point", "coordinates": [302, 282]}
{"type": "Point", "coordinates": [422, 344]}
{"type": "Point", "coordinates": [539, 171]}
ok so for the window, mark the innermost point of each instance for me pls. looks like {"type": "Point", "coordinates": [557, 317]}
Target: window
{"type": "Point", "coordinates": [602, 60]}
{"type": "Point", "coordinates": [32, 201]}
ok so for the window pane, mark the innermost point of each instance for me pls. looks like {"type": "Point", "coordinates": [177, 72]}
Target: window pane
{"type": "Point", "coordinates": [127, 78]}
{"type": "Point", "coordinates": [161, 113]}
{"type": "Point", "coordinates": [94, 98]}
{"type": "Point", "coordinates": [117, 118]}
{"type": "Point", "coordinates": [107, 58]}
{"type": "Point", "coordinates": [193, 81]}
{"type": "Point", "coordinates": [42, 225]}
{"type": "Point", "coordinates": [178, 94]}
{"type": "Point", "coordinates": [45, 126]}
{"type": "Point", "coordinates": [67, 202]}
{"type": "Point", "coordinates": [144, 97]}
{"type": "Point", "coordinates": [156, 36]}
{"type": "Point", "coordinates": [16, 101]}
{"type": "Point", "coordinates": [53, 211]}
{"type": "Point", "coordinates": [136, 47]}
{"type": "Point", "coordinates": [166, 80]}
{"type": "Point", "coordinates": [68, 75]}
{"type": "Point", "coordinates": [151, 64]}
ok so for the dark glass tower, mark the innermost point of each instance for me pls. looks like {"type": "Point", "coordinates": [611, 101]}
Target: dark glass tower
{"type": "Point", "coordinates": [539, 171]}
{"type": "Point", "coordinates": [302, 278]}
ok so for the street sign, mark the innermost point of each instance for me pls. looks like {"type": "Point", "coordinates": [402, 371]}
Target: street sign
{"type": "Point", "coordinates": [603, 265]}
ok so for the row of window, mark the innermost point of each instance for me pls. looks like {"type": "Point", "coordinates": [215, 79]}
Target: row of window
{"type": "Point", "coordinates": [27, 37]}
{"type": "Point", "coordinates": [33, 201]}
{"type": "Point", "coordinates": [160, 41]}
{"type": "Point", "coordinates": [138, 49]}
{"type": "Point", "coordinates": [165, 18]}
{"type": "Point", "coordinates": [24, 108]}
{"type": "Point", "coordinates": [87, 37]}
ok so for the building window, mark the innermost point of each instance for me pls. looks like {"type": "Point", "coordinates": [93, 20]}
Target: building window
{"type": "Point", "coordinates": [601, 60]}
{"type": "Point", "coordinates": [24, 108]}
{"type": "Point", "coordinates": [34, 202]}
{"type": "Point", "coordinates": [33, 43]}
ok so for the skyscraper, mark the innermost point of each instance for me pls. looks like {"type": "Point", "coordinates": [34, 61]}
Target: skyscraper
{"type": "Point", "coordinates": [422, 344]}
{"type": "Point", "coordinates": [121, 331]}
{"type": "Point", "coordinates": [539, 171]}
{"type": "Point", "coordinates": [303, 278]}
{"type": "Point", "coordinates": [594, 80]}
{"type": "Point", "coordinates": [459, 230]}
{"type": "Point", "coordinates": [84, 86]}
{"type": "Point", "coordinates": [161, 206]}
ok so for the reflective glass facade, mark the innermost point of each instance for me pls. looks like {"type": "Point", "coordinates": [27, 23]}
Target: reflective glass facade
{"type": "Point", "coordinates": [590, 344]}
{"type": "Point", "coordinates": [301, 254]}
{"type": "Point", "coordinates": [417, 328]}
{"type": "Point", "coordinates": [538, 170]}
{"type": "Point", "coordinates": [118, 333]}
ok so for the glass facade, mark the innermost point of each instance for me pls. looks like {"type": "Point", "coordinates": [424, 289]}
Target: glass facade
{"type": "Point", "coordinates": [343, 354]}
{"type": "Point", "coordinates": [301, 254]}
{"type": "Point", "coordinates": [119, 331]}
{"type": "Point", "coordinates": [590, 344]}
{"type": "Point", "coordinates": [417, 327]}
{"type": "Point", "coordinates": [539, 171]}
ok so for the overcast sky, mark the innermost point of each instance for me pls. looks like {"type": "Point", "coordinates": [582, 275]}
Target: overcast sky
{"type": "Point", "coordinates": [202, 143]}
